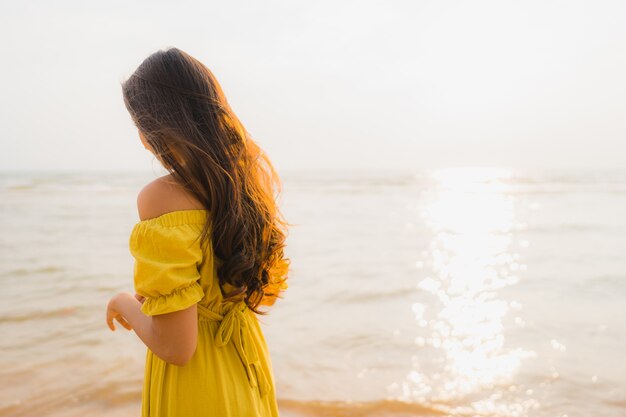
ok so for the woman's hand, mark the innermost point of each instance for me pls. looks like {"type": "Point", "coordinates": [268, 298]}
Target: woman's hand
{"type": "Point", "coordinates": [173, 337]}
{"type": "Point", "coordinates": [140, 298]}
{"type": "Point", "coordinates": [114, 314]}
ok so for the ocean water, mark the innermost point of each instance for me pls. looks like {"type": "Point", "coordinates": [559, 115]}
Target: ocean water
{"type": "Point", "coordinates": [468, 291]}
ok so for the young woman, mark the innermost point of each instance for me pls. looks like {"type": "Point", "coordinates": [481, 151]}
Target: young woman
{"type": "Point", "coordinates": [208, 248]}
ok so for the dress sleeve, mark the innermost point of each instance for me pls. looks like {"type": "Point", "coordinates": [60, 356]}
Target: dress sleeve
{"type": "Point", "coordinates": [166, 267]}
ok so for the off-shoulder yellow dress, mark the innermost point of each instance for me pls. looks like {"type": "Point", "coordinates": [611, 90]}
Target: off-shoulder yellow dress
{"type": "Point", "coordinates": [230, 374]}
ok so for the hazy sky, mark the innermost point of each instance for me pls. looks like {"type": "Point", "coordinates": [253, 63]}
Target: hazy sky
{"type": "Point", "coordinates": [328, 84]}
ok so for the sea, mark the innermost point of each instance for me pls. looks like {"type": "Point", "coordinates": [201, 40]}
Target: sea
{"type": "Point", "coordinates": [455, 291]}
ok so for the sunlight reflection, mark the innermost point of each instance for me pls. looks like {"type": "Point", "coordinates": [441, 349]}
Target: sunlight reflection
{"type": "Point", "coordinates": [470, 258]}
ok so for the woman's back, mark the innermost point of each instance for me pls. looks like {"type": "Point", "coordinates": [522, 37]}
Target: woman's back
{"type": "Point", "coordinates": [173, 272]}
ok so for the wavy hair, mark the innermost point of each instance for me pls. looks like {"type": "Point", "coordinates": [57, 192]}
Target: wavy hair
{"type": "Point", "coordinates": [177, 104]}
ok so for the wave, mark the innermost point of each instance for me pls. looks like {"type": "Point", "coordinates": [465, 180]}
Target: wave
{"type": "Point", "coordinates": [375, 408]}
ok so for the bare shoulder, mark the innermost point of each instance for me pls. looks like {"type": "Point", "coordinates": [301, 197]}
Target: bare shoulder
{"type": "Point", "coordinates": [164, 195]}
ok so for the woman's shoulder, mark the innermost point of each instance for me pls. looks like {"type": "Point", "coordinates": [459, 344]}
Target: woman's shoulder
{"type": "Point", "coordinates": [162, 196]}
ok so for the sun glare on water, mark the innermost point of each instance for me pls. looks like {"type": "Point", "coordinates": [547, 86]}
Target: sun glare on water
{"type": "Point", "coordinates": [460, 315]}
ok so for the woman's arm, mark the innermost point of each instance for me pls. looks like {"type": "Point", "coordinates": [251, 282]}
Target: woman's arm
{"type": "Point", "coordinates": [172, 336]}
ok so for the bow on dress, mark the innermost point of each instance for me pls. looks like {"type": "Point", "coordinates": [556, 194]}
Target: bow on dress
{"type": "Point", "coordinates": [234, 327]}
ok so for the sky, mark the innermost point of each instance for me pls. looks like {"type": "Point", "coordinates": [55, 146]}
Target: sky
{"type": "Point", "coordinates": [328, 85]}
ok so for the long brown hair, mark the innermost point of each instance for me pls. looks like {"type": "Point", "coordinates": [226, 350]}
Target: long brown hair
{"type": "Point", "coordinates": [177, 104]}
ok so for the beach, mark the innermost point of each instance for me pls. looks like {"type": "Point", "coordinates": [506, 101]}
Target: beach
{"type": "Point", "coordinates": [460, 292]}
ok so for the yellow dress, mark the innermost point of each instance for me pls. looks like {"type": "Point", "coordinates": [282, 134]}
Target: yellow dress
{"type": "Point", "coordinates": [230, 373]}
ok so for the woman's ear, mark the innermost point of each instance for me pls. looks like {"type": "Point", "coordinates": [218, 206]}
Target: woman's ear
{"type": "Point", "coordinates": [144, 141]}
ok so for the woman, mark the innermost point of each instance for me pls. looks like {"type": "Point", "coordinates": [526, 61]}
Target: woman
{"type": "Point", "coordinates": [208, 248]}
